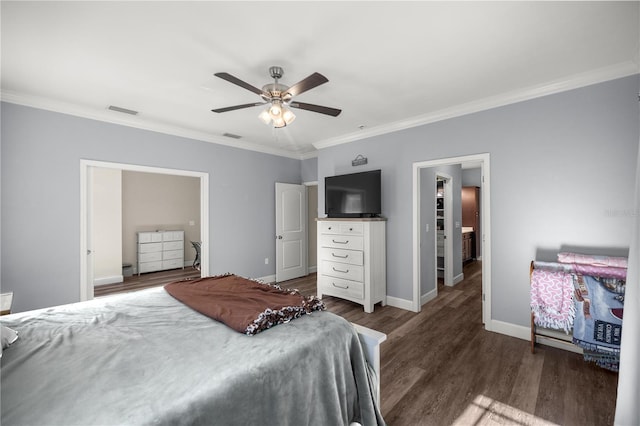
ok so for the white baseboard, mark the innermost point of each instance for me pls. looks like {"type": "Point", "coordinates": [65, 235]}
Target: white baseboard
{"type": "Point", "coordinates": [456, 280]}
{"type": "Point", "coordinates": [396, 302]}
{"type": "Point", "coordinates": [429, 296]}
{"type": "Point", "coordinates": [524, 333]}
{"type": "Point", "coordinates": [509, 329]}
{"type": "Point", "coordinates": [272, 278]}
{"type": "Point", "coordinates": [268, 278]}
{"type": "Point", "coordinates": [108, 280]}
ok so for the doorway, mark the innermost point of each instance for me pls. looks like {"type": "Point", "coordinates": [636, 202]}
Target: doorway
{"type": "Point", "coordinates": [86, 216]}
{"type": "Point", "coordinates": [421, 236]}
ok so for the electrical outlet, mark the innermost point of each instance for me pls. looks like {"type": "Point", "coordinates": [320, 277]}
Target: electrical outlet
{"type": "Point", "coordinates": [192, 223]}
{"type": "Point", "coordinates": [266, 260]}
{"type": "Point", "coordinates": [426, 228]}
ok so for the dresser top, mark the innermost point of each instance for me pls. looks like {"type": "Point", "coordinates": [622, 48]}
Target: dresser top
{"type": "Point", "coordinates": [352, 219]}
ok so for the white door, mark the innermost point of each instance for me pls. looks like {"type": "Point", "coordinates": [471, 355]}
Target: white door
{"type": "Point", "coordinates": [291, 231]}
{"type": "Point", "coordinates": [89, 239]}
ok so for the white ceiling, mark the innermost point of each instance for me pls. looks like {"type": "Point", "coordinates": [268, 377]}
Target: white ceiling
{"type": "Point", "coordinates": [390, 65]}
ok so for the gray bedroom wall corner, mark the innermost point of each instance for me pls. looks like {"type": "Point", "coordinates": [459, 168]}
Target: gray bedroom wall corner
{"type": "Point", "coordinates": [309, 169]}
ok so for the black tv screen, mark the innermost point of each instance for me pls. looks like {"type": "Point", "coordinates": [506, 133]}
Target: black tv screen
{"type": "Point", "coordinates": [353, 195]}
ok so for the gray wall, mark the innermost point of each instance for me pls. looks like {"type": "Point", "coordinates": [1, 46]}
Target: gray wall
{"type": "Point", "coordinates": [309, 169]}
{"type": "Point", "coordinates": [41, 154]}
{"type": "Point", "coordinates": [562, 175]}
{"type": "Point", "coordinates": [472, 177]}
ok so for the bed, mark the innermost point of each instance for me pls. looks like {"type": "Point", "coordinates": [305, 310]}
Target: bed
{"type": "Point", "coordinates": [145, 358]}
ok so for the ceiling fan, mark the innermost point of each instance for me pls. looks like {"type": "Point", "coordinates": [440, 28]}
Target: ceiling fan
{"type": "Point", "coordinates": [280, 97]}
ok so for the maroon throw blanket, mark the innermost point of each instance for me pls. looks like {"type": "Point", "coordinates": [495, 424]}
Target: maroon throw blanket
{"type": "Point", "coordinates": [246, 306]}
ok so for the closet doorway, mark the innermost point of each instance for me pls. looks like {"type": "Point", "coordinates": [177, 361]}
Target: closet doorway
{"type": "Point", "coordinates": [425, 237]}
{"type": "Point", "coordinates": [444, 229]}
{"type": "Point", "coordinates": [87, 168]}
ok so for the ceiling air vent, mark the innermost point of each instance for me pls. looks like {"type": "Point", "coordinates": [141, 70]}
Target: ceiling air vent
{"type": "Point", "coordinates": [122, 110]}
{"type": "Point", "coordinates": [231, 135]}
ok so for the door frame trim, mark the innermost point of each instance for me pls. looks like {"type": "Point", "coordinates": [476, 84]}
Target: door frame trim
{"type": "Point", "coordinates": [484, 161]}
{"type": "Point", "coordinates": [86, 288]}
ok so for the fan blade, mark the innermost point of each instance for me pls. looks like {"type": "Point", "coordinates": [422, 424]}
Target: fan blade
{"type": "Point", "coordinates": [232, 108]}
{"type": "Point", "coordinates": [314, 80]}
{"type": "Point", "coordinates": [334, 112]}
{"type": "Point", "coordinates": [237, 81]}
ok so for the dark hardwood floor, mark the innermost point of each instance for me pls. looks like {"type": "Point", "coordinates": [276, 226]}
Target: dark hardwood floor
{"type": "Point", "coordinates": [440, 367]}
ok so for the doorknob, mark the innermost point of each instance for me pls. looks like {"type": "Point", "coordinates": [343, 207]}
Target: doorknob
{"type": "Point", "coordinates": [279, 237]}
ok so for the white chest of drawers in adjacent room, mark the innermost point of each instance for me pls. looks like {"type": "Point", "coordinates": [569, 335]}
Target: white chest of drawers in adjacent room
{"type": "Point", "coordinates": [160, 250]}
{"type": "Point", "coordinates": [352, 260]}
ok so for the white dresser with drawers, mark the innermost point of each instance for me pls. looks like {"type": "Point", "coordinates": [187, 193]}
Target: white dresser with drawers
{"type": "Point", "coordinates": [352, 260]}
{"type": "Point", "coordinates": [160, 250]}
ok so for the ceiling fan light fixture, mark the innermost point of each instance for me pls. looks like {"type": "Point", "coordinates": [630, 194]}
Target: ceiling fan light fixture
{"type": "Point", "coordinates": [265, 117]}
{"type": "Point", "coordinates": [288, 116]}
{"type": "Point", "coordinates": [278, 123]}
{"type": "Point", "coordinates": [278, 97]}
{"type": "Point", "coordinates": [275, 110]}
{"type": "Point", "coordinates": [277, 115]}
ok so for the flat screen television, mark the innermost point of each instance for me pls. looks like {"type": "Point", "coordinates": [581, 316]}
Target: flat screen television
{"type": "Point", "coordinates": [353, 195]}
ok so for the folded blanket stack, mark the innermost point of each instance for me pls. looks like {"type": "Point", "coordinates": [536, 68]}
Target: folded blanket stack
{"type": "Point", "coordinates": [597, 266]}
{"type": "Point", "coordinates": [599, 283]}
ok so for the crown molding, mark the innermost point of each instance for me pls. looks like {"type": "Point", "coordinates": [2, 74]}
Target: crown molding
{"type": "Point", "coordinates": [575, 81]}
{"type": "Point", "coordinates": [136, 122]}
{"type": "Point", "coordinates": [308, 155]}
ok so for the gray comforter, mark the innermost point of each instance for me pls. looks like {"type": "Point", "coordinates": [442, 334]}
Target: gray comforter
{"type": "Point", "coordinates": [145, 358]}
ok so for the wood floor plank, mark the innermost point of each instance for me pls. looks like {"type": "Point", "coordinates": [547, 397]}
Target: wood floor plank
{"type": "Point", "coordinates": [401, 385]}
{"type": "Point", "coordinates": [527, 385]}
{"type": "Point", "coordinates": [554, 378]}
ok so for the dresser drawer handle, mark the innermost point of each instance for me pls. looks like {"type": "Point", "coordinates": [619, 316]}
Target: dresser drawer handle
{"type": "Point", "coordinates": [341, 257]}
{"type": "Point", "coordinates": [339, 286]}
{"type": "Point", "coordinates": [338, 270]}
{"type": "Point", "coordinates": [340, 242]}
